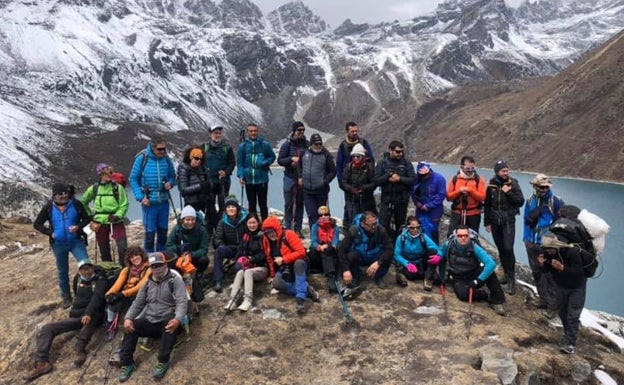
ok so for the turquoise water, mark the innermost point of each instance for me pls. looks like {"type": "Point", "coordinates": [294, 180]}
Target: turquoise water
{"type": "Point", "coordinates": [603, 199]}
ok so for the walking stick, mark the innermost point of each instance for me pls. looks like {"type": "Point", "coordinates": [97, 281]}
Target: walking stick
{"type": "Point", "coordinates": [443, 293]}
{"type": "Point", "coordinates": [228, 310]}
{"type": "Point", "coordinates": [345, 309]}
{"type": "Point", "coordinates": [470, 293]}
{"type": "Point", "coordinates": [175, 212]}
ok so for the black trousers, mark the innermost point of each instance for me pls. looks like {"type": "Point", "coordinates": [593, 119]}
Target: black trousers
{"type": "Point", "coordinates": [546, 286]}
{"type": "Point", "coordinates": [219, 192]}
{"type": "Point", "coordinates": [571, 303]}
{"type": "Point", "coordinates": [504, 236]}
{"type": "Point", "coordinates": [495, 297]}
{"type": "Point", "coordinates": [144, 328]}
{"type": "Point", "coordinates": [51, 330]}
{"type": "Point", "coordinates": [257, 195]}
{"type": "Point", "coordinates": [393, 214]}
{"type": "Point", "coordinates": [326, 260]}
{"type": "Point", "coordinates": [472, 221]}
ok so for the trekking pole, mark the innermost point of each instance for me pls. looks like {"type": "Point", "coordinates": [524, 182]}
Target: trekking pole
{"type": "Point", "coordinates": [228, 310]}
{"type": "Point", "coordinates": [88, 363]}
{"type": "Point", "coordinates": [95, 248]}
{"type": "Point", "coordinates": [470, 293]}
{"type": "Point", "coordinates": [443, 293]}
{"type": "Point", "coordinates": [345, 309]}
{"type": "Point", "coordinates": [175, 212]}
{"type": "Point", "coordinates": [112, 243]}
{"type": "Point", "coordinates": [108, 365]}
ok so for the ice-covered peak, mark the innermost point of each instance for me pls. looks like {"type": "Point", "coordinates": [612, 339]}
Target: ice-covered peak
{"type": "Point", "coordinates": [296, 19]}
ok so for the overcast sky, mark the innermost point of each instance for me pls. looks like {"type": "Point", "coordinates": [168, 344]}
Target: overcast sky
{"type": "Point", "coordinates": [335, 12]}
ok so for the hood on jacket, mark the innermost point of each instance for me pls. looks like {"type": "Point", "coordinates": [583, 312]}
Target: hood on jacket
{"type": "Point", "coordinates": [272, 223]}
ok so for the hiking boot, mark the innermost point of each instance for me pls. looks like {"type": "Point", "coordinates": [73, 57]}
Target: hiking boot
{"type": "Point", "coordinates": [160, 370]}
{"type": "Point", "coordinates": [114, 360]}
{"type": "Point", "coordinates": [66, 302]}
{"type": "Point", "coordinates": [381, 283]}
{"type": "Point", "coordinates": [313, 294]}
{"type": "Point", "coordinates": [81, 357]}
{"type": "Point", "coordinates": [549, 314]}
{"type": "Point", "coordinates": [503, 280]}
{"type": "Point", "coordinates": [498, 309]}
{"type": "Point", "coordinates": [218, 287]}
{"type": "Point", "coordinates": [401, 280]}
{"type": "Point", "coordinates": [41, 368]}
{"type": "Point", "coordinates": [126, 371]}
{"type": "Point", "coordinates": [301, 309]}
{"type": "Point", "coordinates": [350, 293]}
{"type": "Point", "coordinates": [246, 305]}
{"type": "Point", "coordinates": [511, 287]}
{"type": "Point", "coordinates": [331, 284]}
{"type": "Point", "coordinates": [230, 305]}
{"type": "Point", "coordinates": [427, 284]}
{"type": "Point", "coordinates": [567, 349]}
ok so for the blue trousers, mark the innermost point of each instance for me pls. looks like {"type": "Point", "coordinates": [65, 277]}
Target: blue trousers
{"type": "Point", "coordinates": [156, 223]}
{"type": "Point", "coordinates": [61, 253]}
{"type": "Point", "coordinates": [222, 252]}
{"type": "Point", "coordinates": [298, 288]}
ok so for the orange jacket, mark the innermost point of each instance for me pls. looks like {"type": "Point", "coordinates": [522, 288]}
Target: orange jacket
{"type": "Point", "coordinates": [291, 247]}
{"type": "Point", "coordinates": [129, 286]}
{"type": "Point", "coordinates": [476, 194]}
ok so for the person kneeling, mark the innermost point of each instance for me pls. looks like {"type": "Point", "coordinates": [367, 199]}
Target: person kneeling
{"type": "Point", "coordinates": [161, 304]}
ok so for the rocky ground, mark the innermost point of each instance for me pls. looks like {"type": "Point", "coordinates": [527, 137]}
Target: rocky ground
{"type": "Point", "coordinates": [400, 336]}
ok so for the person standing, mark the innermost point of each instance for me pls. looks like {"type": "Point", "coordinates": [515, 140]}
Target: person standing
{"type": "Point", "coordinates": [503, 199]}
{"type": "Point", "coordinates": [466, 191]}
{"type": "Point", "coordinates": [220, 162]}
{"type": "Point", "coordinates": [65, 217]}
{"type": "Point", "coordinates": [110, 205]}
{"type": "Point", "coordinates": [151, 178]}
{"type": "Point", "coordinates": [289, 157]}
{"type": "Point", "coordinates": [193, 180]}
{"type": "Point", "coordinates": [343, 156]}
{"type": "Point", "coordinates": [396, 176]}
{"type": "Point", "coordinates": [428, 195]}
{"type": "Point", "coordinates": [540, 211]}
{"type": "Point", "coordinates": [316, 171]}
{"type": "Point", "coordinates": [358, 185]}
{"type": "Point", "coordinates": [157, 311]}
{"type": "Point", "coordinates": [253, 161]}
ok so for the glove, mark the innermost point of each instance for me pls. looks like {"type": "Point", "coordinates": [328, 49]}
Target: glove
{"type": "Point", "coordinates": [411, 268]}
{"type": "Point", "coordinates": [244, 262]}
{"type": "Point", "coordinates": [434, 259]}
{"type": "Point", "coordinates": [112, 299]}
{"type": "Point", "coordinates": [475, 283]}
{"type": "Point", "coordinates": [113, 218]}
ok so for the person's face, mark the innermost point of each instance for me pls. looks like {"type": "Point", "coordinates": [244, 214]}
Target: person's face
{"type": "Point", "coordinates": [188, 222]}
{"type": "Point", "coordinates": [159, 270]}
{"type": "Point", "coordinates": [136, 259]}
{"type": "Point", "coordinates": [352, 132]}
{"type": "Point", "coordinates": [503, 173]}
{"type": "Point", "coordinates": [252, 224]}
{"type": "Point", "coordinates": [468, 168]}
{"type": "Point", "coordinates": [231, 211]}
{"type": "Point", "coordinates": [216, 135]}
{"type": "Point", "coordinates": [463, 237]}
{"type": "Point", "coordinates": [87, 271]}
{"type": "Point", "coordinates": [397, 153]}
{"type": "Point", "coordinates": [160, 149]}
{"type": "Point", "coordinates": [106, 175]}
{"type": "Point", "coordinates": [195, 162]}
{"type": "Point", "coordinates": [317, 147]}
{"type": "Point", "coordinates": [369, 224]}
{"type": "Point", "coordinates": [252, 132]}
{"type": "Point", "coordinates": [542, 190]}
{"type": "Point", "coordinates": [61, 198]}
{"type": "Point", "coordinates": [413, 227]}
{"type": "Point", "coordinates": [271, 234]}
{"type": "Point", "coordinates": [299, 133]}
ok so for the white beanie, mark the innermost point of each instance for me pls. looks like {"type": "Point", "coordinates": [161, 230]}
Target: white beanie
{"type": "Point", "coordinates": [358, 149]}
{"type": "Point", "coordinates": [188, 211]}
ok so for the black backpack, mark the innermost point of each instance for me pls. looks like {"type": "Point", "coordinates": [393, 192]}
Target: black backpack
{"type": "Point", "coordinates": [573, 231]}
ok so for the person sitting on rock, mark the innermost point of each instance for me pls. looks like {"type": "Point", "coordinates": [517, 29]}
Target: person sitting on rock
{"type": "Point", "coordinates": [228, 235]}
{"type": "Point", "coordinates": [120, 296]}
{"type": "Point", "coordinates": [86, 313]}
{"type": "Point", "coordinates": [470, 267]}
{"type": "Point", "coordinates": [366, 244]}
{"type": "Point", "coordinates": [251, 264]}
{"type": "Point", "coordinates": [158, 312]}
{"type": "Point", "coordinates": [416, 254]}
{"type": "Point", "coordinates": [190, 237]}
{"type": "Point", "coordinates": [324, 246]}
{"type": "Point", "coordinates": [286, 257]}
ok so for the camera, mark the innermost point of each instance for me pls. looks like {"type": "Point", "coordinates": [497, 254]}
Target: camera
{"type": "Point", "coordinates": [288, 274]}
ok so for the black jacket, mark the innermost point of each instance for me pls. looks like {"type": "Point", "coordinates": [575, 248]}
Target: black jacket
{"type": "Point", "coordinates": [89, 296]}
{"type": "Point", "coordinates": [395, 192]}
{"type": "Point", "coordinates": [500, 207]}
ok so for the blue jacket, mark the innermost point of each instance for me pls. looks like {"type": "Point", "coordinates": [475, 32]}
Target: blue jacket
{"type": "Point", "coordinates": [290, 148]}
{"type": "Point", "coordinates": [59, 222]}
{"type": "Point", "coordinates": [314, 240]}
{"type": "Point", "coordinates": [151, 178]}
{"type": "Point", "coordinates": [219, 157]}
{"type": "Point", "coordinates": [253, 160]}
{"type": "Point", "coordinates": [431, 192]}
{"type": "Point", "coordinates": [482, 257]}
{"type": "Point", "coordinates": [549, 206]}
{"type": "Point", "coordinates": [408, 249]}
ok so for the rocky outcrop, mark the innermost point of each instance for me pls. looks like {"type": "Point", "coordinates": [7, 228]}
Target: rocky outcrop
{"type": "Point", "coordinates": [295, 19]}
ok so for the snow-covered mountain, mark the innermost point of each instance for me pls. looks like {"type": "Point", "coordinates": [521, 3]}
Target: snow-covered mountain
{"type": "Point", "coordinates": [91, 64]}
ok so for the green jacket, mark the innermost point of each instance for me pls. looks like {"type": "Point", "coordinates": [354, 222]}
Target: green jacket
{"type": "Point", "coordinates": [194, 240]}
{"type": "Point", "coordinates": [105, 203]}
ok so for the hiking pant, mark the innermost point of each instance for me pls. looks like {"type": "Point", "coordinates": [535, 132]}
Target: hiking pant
{"type": "Point", "coordinates": [144, 328]}
{"type": "Point", "coordinates": [425, 270]}
{"type": "Point", "coordinates": [504, 236]}
{"type": "Point", "coordinates": [49, 331]}
{"type": "Point", "coordinates": [298, 288]}
{"type": "Point", "coordinates": [390, 213]}
{"type": "Point", "coordinates": [546, 286]}
{"type": "Point", "coordinates": [355, 261]}
{"type": "Point", "coordinates": [246, 279]}
{"type": "Point", "coordinates": [257, 195]}
{"type": "Point", "coordinates": [156, 223]}
{"type": "Point", "coordinates": [571, 303]}
{"type": "Point", "coordinates": [312, 202]}
{"type": "Point", "coordinates": [102, 238]}
{"type": "Point", "coordinates": [220, 190]}
{"type": "Point", "coordinates": [61, 254]}
{"type": "Point", "coordinates": [222, 252]}
{"type": "Point", "coordinates": [326, 260]}
{"type": "Point", "coordinates": [472, 221]}
{"type": "Point", "coordinates": [201, 263]}
{"type": "Point", "coordinates": [496, 296]}
{"type": "Point", "coordinates": [293, 202]}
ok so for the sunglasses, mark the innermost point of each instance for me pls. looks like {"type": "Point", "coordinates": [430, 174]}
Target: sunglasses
{"type": "Point", "coordinates": [301, 130]}
{"type": "Point", "coordinates": [324, 215]}
{"type": "Point", "coordinates": [543, 187]}
{"type": "Point", "coordinates": [462, 235]}
{"type": "Point", "coordinates": [413, 227]}
{"type": "Point", "coordinates": [62, 194]}
{"type": "Point", "coordinates": [356, 156]}
{"type": "Point", "coordinates": [398, 151]}
{"type": "Point", "coordinates": [161, 149]}
{"type": "Point", "coordinates": [317, 144]}
{"type": "Point", "coordinates": [196, 158]}
{"type": "Point", "coordinates": [157, 266]}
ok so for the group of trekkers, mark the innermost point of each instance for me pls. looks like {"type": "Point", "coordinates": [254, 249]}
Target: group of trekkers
{"type": "Point", "coordinates": [152, 296]}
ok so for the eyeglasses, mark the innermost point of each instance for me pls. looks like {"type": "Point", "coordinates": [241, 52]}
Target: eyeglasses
{"type": "Point", "coordinates": [324, 215]}
{"type": "Point", "coordinates": [300, 129]}
{"type": "Point", "coordinates": [462, 235]}
{"type": "Point", "coordinates": [196, 158]}
{"type": "Point", "coordinates": [161, 149]}
{"type": "Point", "coordinates": [61, 194]}
{"type": "Point", "coordinates": [157, 266]}
{"type": "Point", "coordinates": [469, 169]}
{"type": "Point", "coordinates": [413, 227]}
{"type": "Point", "coordinates": [398, 151]}
{"type": "Point", "coordinates": [356, 156]}
{"type": "Point", "coordinates": [369, 225]}
{"type": "Point", "coordinates": [543, 187]}
{"type": "Point", "coordinates": [317, 144]}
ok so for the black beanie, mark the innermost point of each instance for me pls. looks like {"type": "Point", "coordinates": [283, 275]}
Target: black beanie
{"type": "Point", "coordinates": [59, 188]}
{"type": "Point", "coordinates": [296, 125]}
{"type": "Point", "coordinates": [499, 166]}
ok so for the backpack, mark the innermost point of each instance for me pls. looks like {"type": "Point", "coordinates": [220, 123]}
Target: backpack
{"type": "Point", "coordinates": [344, 148]}
{"type": "Point", "coordinates": [574, 232]}
{"type": "Point", "coordinates": [108, 270]}
{"type": "Point", "coordinates": [96, 186]}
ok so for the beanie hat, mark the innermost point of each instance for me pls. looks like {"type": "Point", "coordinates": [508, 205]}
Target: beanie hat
{"type": "Point", "coordinates": [358, 149]}
{"type": "Point", "coordinates": [60, 188]}
{"type": "Point", "coordinates": [499, 166]}
{"type": "Point", "coordinates": [101, 167]}
{"type": "Point", "coordinates": [196, 153]}
{"type": "Point", "coordinates": [423, 168]}
{"type": "Point", "coordinates": [296, 125]}
{"type": "Point", "coordinates": [316, 138]}
{"type": "Point", "coordinates": [541, 180]}
{"type": "Point", "coordinates": [188, 211]}
{"type": "Point", "coordinates": [231, 200]}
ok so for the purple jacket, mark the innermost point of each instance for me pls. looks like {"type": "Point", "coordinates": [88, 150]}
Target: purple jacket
{"type": "Point", "coordinates": [431, 193]}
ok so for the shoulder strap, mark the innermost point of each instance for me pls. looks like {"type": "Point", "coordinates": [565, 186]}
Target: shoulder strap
{"type": "Point", "coordinates": [423, 243]}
